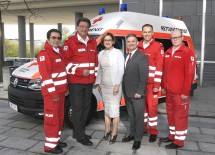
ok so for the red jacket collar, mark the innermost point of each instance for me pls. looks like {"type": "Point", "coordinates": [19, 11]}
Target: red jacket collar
{"type": "Point", "coordinates": [140, 45]}
{"type": "Point", "coordinates": [179, 49]}
{"type": "Point", "coordinates": [76, 38]}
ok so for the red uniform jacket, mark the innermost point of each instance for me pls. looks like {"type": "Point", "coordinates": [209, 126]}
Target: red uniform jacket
{"type": "Point", "coordinates": [52, 70]}
{"type": "Point", "coordinates": [79, 57]}
{"type": "Point", "coordinates": [178, 70]}
{"type": "Point", "coordinates": [155, 53]}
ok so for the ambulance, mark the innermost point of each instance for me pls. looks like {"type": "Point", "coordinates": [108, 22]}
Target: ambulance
{"type": "Point", "coordinates": [24, 91]}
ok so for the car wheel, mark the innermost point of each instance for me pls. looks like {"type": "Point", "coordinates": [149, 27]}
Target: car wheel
{"type": "Point", "coordinates": [68, 111]}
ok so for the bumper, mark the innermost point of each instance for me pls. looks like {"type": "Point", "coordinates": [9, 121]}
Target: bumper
{"type": "Point", "coordinates": [26, 100]}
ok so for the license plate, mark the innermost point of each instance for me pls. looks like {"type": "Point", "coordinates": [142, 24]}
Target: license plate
{"type": "Point", "coordinates": [13, 106]}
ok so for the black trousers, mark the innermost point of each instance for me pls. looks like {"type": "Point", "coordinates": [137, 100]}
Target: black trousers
{"type": "Point", "coordinates": [80, 98]}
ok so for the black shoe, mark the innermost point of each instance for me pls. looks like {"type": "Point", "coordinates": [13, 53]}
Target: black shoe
{"type": "Point", "coordinates": [172, 146]}
{"type": "Point", "coordinates": [152, 138]}
{"type": "Point", "coordinates": [136, 145]}
{"type": "Point", "coordinates": [62, 145]}
{"type": "Point", "coordinates": [106, 136]}
{"type": "Point", "coordinates": [113, 140]}
{"type": "Point", "coordinates": [85, 141]}
{"type": "Point", "coordinates": [88, 136]}
{"type": "Point", "coordinates": [127, 139]}
{"type": "Point", "coordinates": [55, 150]}
{"type": "Point", "coordinates": [166, 140]}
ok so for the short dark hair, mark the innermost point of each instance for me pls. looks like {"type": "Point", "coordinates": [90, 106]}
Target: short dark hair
{"type": "Point", "coordinates": [107, 34]}
{"type": "Point", "coordinates": [83, 19]}
{"type": "Point", "coordinates": [147, 25]}
{"type": "Point", "coordinates": [131, 35]}
{"type": "Point", "coordinates": [53, 30]}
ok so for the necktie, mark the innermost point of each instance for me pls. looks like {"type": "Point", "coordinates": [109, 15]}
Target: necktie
{"type": "Point", "coordinates": [129, 57]}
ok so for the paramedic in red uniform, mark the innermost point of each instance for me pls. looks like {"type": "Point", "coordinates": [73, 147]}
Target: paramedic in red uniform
{"type": "Point", "coordinates": [154, 51]}
{"type": "Point", "coordinates": [178, 74]}
{"type": "Point", "coordinates": [81, 55]}
{"type": "Point", "coordinates": [52, 70]}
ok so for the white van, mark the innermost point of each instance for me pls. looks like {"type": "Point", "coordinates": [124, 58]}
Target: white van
{"type": "Point", "coordinates": [24, 90]}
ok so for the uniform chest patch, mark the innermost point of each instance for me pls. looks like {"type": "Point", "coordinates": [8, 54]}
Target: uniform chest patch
{"type": "Point", "coordinates": [81, 49]}
{"type": "Point", "coordinates": [58, 60]}
{"type": "Point", "coordinates": [162, 52]}
{"type": "Point", "coordinates": [42, 58]}
{"type": "Point", "coordinates": [92, 50]}
{"type": "Point", "coordinates": [65, 48]}
{"type": "Point", "coordinates": [166, 56]}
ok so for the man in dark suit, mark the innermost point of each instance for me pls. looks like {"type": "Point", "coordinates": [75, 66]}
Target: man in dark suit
{"type": "Point", "coordinates": [134, 85]}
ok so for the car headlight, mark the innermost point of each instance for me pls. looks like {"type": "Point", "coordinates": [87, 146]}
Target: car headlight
{"type": "Point", "coordinates": [34, 84]}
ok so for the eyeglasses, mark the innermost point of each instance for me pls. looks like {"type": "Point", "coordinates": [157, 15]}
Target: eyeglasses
{"type": "Point", "coordinates": [108, 40]}
{"type": "Point", "coordinates": [173, 38]}
{"type": "Point", "coordinates": [53, 37]}
{"type": "Point", "coordinates": [83, 27]}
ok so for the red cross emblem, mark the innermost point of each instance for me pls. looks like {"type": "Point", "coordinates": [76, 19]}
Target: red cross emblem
{"type": "Point", "coordinates": [97, 20]}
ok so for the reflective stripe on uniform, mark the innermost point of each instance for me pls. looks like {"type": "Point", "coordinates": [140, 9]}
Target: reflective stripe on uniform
{"type": "Point", "coordinates": [180, 137]}
{"type": "Point", "coordinates": [158, 73]}
{"type": "Point", "coordinates": [46, 82]}
{"type": "Point", "coordinates": [171, 127]}
{"type": "Point", "coordinates": [51, 89]}
{"type": "Point", "coordinates": [153, 123]}
{"type": "Point", "coordinates": [151, 75]}
{"type": "Point", "coordinates": [52, 139]}
{"type": "Point", "coordinates": [153, 118]}
{"type": "Point", "coordinates": [157, 79]}
{"type": "Point", "coordinates": [56, 83]}
{"type": "Point", "coordinates": [152, 68]}
{"type": "Point", "coordinates": [50, 145]}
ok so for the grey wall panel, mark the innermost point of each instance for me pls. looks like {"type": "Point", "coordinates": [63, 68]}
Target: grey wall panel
{"type": "Point", "coordinates": [197, 36]}
{"type": "Point", "coordinates": [213, 7]}
{"type": "Point", "coordinates": [167, 9]}
{"type": "Point", "coordinates": [184, 8]}
{"type": "Point", "coordinates": [210, 52]}
{"type": "Point", "coordinates": [195, 22]}
{"type": "Point", "coordinates": [136, 6]}
{"type": "Point", "coordinates": [199, 7]}
{"type": "Point", "coordinates": [152, 8]}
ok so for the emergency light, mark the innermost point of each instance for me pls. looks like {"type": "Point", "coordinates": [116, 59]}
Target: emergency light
{"type": "Point", "coordinates": [123, 7]}
{"type": "Point", "coordinates": [101, 11]}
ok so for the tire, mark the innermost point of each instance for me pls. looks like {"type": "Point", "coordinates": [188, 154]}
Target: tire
{"type": "Point", "coordinates": [68, 111]}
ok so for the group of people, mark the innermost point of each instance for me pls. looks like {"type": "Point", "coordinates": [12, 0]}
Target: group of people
{"type": "Point", "coordinates": [74, 68]}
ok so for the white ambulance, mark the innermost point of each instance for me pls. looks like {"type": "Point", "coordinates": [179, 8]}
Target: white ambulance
{"type": "Point", "coordinates": [24, 89]}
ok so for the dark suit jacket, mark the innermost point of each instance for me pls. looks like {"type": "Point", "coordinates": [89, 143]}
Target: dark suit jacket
{"type": "Point", "coordinates": [136, 75]}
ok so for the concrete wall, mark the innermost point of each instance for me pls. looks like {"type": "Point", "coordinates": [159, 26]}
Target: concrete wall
{"type": "Point", "coordinates": [191, 11]}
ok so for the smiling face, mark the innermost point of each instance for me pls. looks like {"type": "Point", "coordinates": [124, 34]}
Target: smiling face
{"type": "Point", "coordinates": [54, 39]}
{"type": "Point", "coordinates": [83, 29]}
{"type": "Point", "coordinates": [177, 38]}
{"type": "Point", "coordinates": [147, 33]}
{"type": "Point", "coordinates": [131, 43]}
{"type": "Point", "coordinates": [108, 42]}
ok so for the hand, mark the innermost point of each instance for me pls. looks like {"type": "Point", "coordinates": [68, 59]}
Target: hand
{"type": "Point", "coordinates": [137, 96]}
{"type": "Point", "coordinates": [56, 99]}
{"type": "Point", "coordinates": [163, 91]}
{"type": "Point", "coordinates": [184, 97]}
{"type": "Point", "coordinates": [67, 93]}
{"type": "Point", "coordinates": [116, 89]}
{"type": "Point", "coordinates": [86, 72]}
{"type": "Point", "coordinates": [155, 90]}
